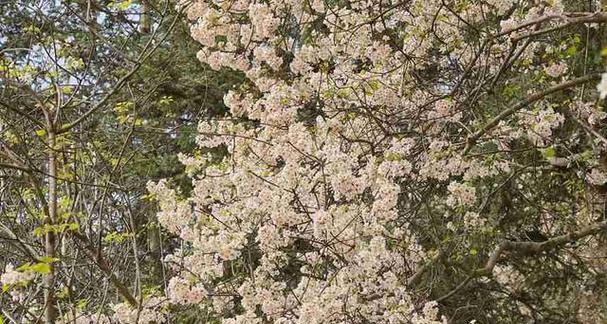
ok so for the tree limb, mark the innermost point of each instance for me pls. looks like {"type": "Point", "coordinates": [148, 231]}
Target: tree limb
{"type": "Point", "coordinates": [106, 269]}
{"type": "Point", "coordinates": [529, 247]}
{"type": "Point", "coordinates": [473, 138]}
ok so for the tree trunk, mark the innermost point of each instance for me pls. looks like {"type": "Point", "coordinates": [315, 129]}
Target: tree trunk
{"type": "Point", "coordinates": [50, 307]}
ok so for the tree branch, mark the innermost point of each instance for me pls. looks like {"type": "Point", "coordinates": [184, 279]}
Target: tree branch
{"type": "Point", "coordinates": [472, 139]}
{"type": "Point", "coordinates": [145, 54]}
{"type": "Point", "coordinates": [529, 247]}
{"type": "Point", "coordinates": [14, 166]}
{"type": "Point", "coordinates": [106, 269]}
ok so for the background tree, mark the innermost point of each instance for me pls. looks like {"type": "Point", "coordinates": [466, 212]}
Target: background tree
{"type": "Point", "coordinates": [94, 104]}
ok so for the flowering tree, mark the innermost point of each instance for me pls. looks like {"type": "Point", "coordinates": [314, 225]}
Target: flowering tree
{"type": "Point", "coordinates": [386, 157]}
{"type": "Point", "coordinates": [415, 161]}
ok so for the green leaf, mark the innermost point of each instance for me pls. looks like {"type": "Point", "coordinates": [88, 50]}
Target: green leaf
{"type": "Point", "coordinates": [38, 231]}
{"type": "Point", "coordinates": [473, 252]}
{"type": "Point", "coordinates": [73, 226]}
{"type": "Point", "coordinates": [166, 100]}
{"type": "Point", "coordinates": [390, 156]}
{"type": "Point", "coordinates": [548, 152]}
{"type": "Point", "coordinates": [510, 90]}
{"type": "Point", "coordinates": [24, 267]}
{"type": "Point", "coordinates": [121, 5]}
{"type": "Point", "coordinates": [47, 259]}
{"type": "Point", "coordinates": [41, 267]}
{"type": "Point", "coordinates": [572, 50]}
{"type": "Point", "coordinates": [40, 132]}
{"type": "Point", "coordinates": [374, 84]}
{"type": "Point", "coordinates": [64, 202]}
{"type": "Point", "coordinates": [81, 304]}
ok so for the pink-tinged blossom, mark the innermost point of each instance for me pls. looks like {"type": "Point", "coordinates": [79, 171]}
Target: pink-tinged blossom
{"type": "Point", "coordinates": [541, 124]}
{"type": "Point", "coordinates": [597, 177]}
{"type": "Point", "coordinates": [461, 194]}
{"type": "Point", "coordinates": [332, 145]}
{"type": "Point", "coordinates": [13, 277]}
{"type": "Point", "coordinates": [556, 70]}
{"type": "Point", "coordinates": [180, 291]}
{"type": "Point", "coordinates": [589, 111]}
{"type": "Point", "coordinates": [78, 317]}
{"type": "Point", "coordinates": [151, 312]}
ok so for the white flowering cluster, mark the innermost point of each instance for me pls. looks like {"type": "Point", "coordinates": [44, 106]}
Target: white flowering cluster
{"type": "Point", "coordinates": [597, 177]}
{"type": "Point", "coordinates": [15, 281]}
{"type": "Point", "coordinates": [12, 277]}
{"type": "Point", "coordinates": [151, 311]}
{"type": "Point", "coordinates": [180, 291]}
{"type": "Point", "coordinates": [308, 220]}
{"type": "Point", "coordinates": [555, 70]}
{"type": "Point", "coordinates": [84, 318]}
{"type": "Point", "coordinates": [540, 124]}
{"type": "Point", "coordinates": [461, 194]}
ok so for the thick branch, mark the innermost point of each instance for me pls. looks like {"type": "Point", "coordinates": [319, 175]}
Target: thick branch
{"type": "Point", "coordinates": [31, 253]}
{"type": "Point", "coordinates": [106, 269]}
{"type": "Point", "coordinates": [596, 18]}
{"type": "Point", "coordinates": [14, 166]}
{"type": "Point", "coordinates": [571, 18]}
{"type": "Point", "coordinates": [528, 247]}
{"type": "Point", "coordinates": [422, 270]}
{"type": "Point", "coordinates": [472, 139]}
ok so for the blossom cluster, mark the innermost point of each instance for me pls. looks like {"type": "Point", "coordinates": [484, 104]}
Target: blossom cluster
{"type": "Point", "coordinates": [15, 281]}
{"type": "Point", "coordinates": [13, 277]}
{"type": "Point", "coordinates": [151, 311]}
{"type": "Point", "coordinates": [349, 120]}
